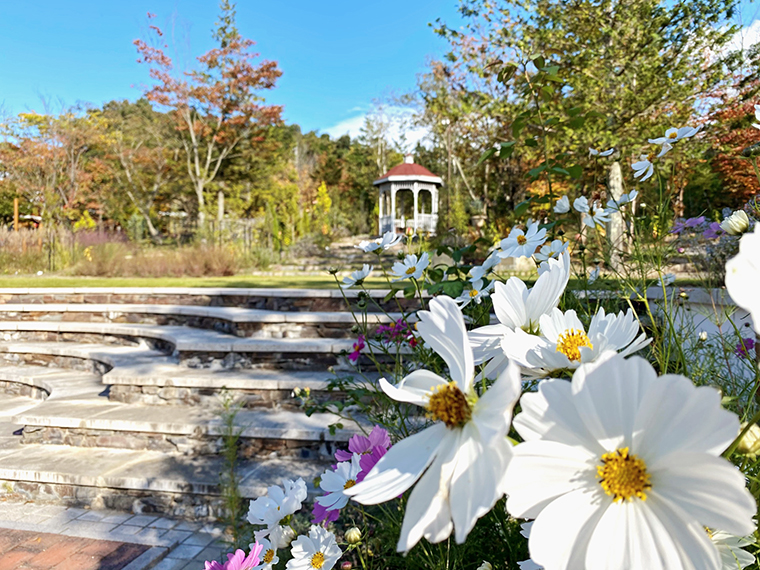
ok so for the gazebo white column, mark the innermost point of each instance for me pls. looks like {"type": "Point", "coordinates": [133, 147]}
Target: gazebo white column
{"type": "Point", "coordinates": [416, 192]}
{"type": "Point", "coordinates": [393, 207]}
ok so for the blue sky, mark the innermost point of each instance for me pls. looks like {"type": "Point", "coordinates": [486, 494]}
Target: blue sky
{"type": "Point", "coordinates": [336, 56]}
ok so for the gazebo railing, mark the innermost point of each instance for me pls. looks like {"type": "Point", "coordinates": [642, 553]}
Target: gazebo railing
{"type": "Point", "coordinates": [425, 223]}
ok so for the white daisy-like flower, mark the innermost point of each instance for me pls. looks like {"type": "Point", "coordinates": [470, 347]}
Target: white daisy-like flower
{"type": "Point", "coordinates": [478, 291]}
{"type": "Point", "coordinates": [267, 556]}
{"type": "Point", "coordinates": [644, 167]}
{"type": "Point", "coordinates": [600, 217]}
{"type": "Point", "coordinates": [743, 275]}
{"type": "Point", "coordinates": [554, 249]}
{"type": "Point", "coordinates": [621, 470]}
{"type": "Point", "coordinates": [736, 224]}
{"type": "Point", "coordinates": [357, 276]}
{"type": "Point", "coordinates": [384, 243]}
{"type": "Point", "coordinates": [411, 267]}
{"type": "Point", "coordinates": [458, 462]}
{"type": "Point", "coordinates": [518, 307]}
{"type": "Point", "coordinates": [562, 206]}
{"type": "Point", "coordinates": [278, 503]}
{"type": "Point", "coordinates": [335, 482]}
{"type": "Point", "coordinates": [674, 135]}
{"type": "Point", "coordinates": [731, 549]}
{"type": "Point", "coordinates": [564, 344]}
{"type": "Point", "coordinates": [581, 205]}
{"type": "Point", "coordinates": [480, 271]}
{"type": "Point", "coordinates": [522, 244]}
{"type": "Point", "coordinates": [614, 205]}
{"type": "Point", "coordinates": [318, 551]}
{"type": "Point", "coordinates": [527, 564]}
{"type": "Point", "coordinates": [594, 152]}
{"type": "Point", "coordinates": [757, 117]}
{"type": "Point", "coordinates": [594, 275]}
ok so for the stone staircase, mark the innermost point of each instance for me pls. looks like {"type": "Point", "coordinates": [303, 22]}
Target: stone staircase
{"type": "Point", "coordinates": [111, 397]}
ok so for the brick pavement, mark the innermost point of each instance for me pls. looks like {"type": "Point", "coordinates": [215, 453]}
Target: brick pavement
{"type": "Point", "coordinates": [83, 539]}
{"type": "Point", "coordinates": [22, 550]}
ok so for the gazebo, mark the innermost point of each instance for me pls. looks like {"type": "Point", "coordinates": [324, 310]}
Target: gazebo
{"type": "Point", "coordinates": [408, 198]}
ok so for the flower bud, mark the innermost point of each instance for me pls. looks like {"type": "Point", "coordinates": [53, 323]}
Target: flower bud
{"type": "Point", "coordinates": [703, 336]}
{"type": "Point", "coordinates": [346, 565]}
{"type": "Point", "coordinates": [751, 151]}
{"type": "Point", "coordinates": [750, 443]}
{"type": "Point", "coordinates": [485, 566]}
{"type": "Point", "coordinates": [353, 535]}
{"type": "Point", "coordinates": [736, 224]}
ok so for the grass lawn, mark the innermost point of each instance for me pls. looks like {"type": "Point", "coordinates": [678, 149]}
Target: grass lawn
{"type": "Point", "coordinates": [242, 281]}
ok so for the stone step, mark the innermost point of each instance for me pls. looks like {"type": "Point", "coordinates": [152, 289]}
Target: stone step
{"type": "Point", "coordinates": [276, 299]}
{"type": "Point", "coordinates": [138, 481]}
{"type": "Point", "coordinates": [49, 383]}
{"type": "Point", "coordinates": [257, 323]}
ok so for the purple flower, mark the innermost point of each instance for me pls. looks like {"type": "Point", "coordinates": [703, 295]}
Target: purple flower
{"type": "Point", "coordinates": [678, 227]}
{"type": "Point", "coordinates": [358, 347]}
{"type": "Point", "coordinates": [321, 514]}
{"type": "Point", "coordinates": [238, 561]}
{"type": "Point", "coordinates": [369, 460]}
{"type": "Point", "coordinates": [743, 348]}
{"type": "Point", "coordinates": [360, 444]}
{"type": "Point", "coordinates": [713, 231]}
{"type": "Point", "coordinates": [694, 222]}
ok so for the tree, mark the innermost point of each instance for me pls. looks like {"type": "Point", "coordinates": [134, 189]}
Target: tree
{"type": "Point", "coordinates": [217, 105]}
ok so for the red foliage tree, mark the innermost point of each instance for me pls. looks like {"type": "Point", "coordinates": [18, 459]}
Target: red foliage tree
{"type": "Point", "coordinates": [216, 105]}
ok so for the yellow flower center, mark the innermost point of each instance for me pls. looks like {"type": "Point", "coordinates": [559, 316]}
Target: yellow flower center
{"type": "Point", "coordinates": [522, 240]}
{"type": "Point", "coordinates": [651, 156]}
{"type": "Point", "coordinates": [350, 483]}
{"type": "Point", "coordinates": [318, 560]}
{"type": "Point", "coordinates": [570, 342]}
{"type": "Point", "coordinates": [411, 270]}
{"type": "Point", "coordinates": [473, 292]}
{"type": "Point", "coordinates": [623, 476]}
{"type": "Point", "coordinates": [449, 405]}
{"type": "Point", "coordinates": [269, 556]}
{"type": "Point", "coordinates": [673, 135]}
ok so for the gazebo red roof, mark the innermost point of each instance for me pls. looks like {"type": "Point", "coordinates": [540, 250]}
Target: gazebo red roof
{"type": "Point", "coordinates": [408, 169]}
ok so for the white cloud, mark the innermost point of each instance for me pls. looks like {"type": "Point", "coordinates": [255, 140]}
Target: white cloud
{"type": "Point", "coordinates": [745, 38]}
{"type": "Point", "coordinates": [400, 126]}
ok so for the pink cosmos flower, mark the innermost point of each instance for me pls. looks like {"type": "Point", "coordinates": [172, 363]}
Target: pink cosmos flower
{"type": "Point", "coordinates": [321, 514]}
{"type": "Point", "coordinates": [358, 347]}
{"type": "Point", "coordinates": [360, 444]}
{"type": "Point", "coordinates": [238, 561]}
{"type": "Point", "coordinates": [368, 461]}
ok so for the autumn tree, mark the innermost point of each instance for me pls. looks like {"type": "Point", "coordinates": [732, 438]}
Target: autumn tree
{"type": "Point", "coordinates": [216, 105]}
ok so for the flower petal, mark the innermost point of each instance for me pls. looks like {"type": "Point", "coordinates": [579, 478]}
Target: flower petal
{"type": "Point", "coordinates": [493, 412]}
{"type": "Point", "coordinates": [400, 467]}
{"type": "Point", "coordinates": [414, 388]}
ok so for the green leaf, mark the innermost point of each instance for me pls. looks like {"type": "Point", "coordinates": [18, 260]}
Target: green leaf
{"type": "Point", "coordinates": [574, 111]}
{"type": "Point", "coordinates": [576, 122]}
{"type": "Point", "coordinates": [536, 171]}
{"type": "Point", "coordinates": [558, 170]}
{"type": "Point", "coordinates": [517, 128]}
{"type": "Point", "coordinates": [575, 171]}
{"type": "Point", "coordinates": [506, 149]}
{"type": "Point", "coordinates": [453, 288]}
{"type": "Point", "coordinates": [551, 70]}
{"type": "Point", "coordinates": [506, 72]}
{"type": "Point", "coordinates": [410, 291]}
{"type": "Point", "coordinates": [531, 143]}
{"type": "Point", "coordinates": [538, 60]}
{"type": "Point", "coordinates": [522, 207]}
{"type": "Point", "coordinates": [486, 155]}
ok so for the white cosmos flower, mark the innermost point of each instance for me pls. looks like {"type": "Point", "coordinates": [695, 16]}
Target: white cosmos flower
{"type": "Point", "coordinates": [458, 462]}
{"type": "Point", "coordinates": [527, 564]}
{"type": "Point", "coordinates": [622, 471]}
{"type": "Point", "coordinates": [757, 117]}
{"type": "Point", "coordinates": [736, 224]}
{"type": "Point", "coordinates": [743, 275]}
{"type": "Point", "coordinates": [594, 152]}
{"type": "Point", "coordinates": [564, 344]}
{"type": "Point", "coordinates": [481, 271]}
{"type": "Point", "coordinates": [554, 249]}
{"type": "Point", "coordinates": [594, 275]}
{"type": "Point", "coordinates": [410, 267]}
{"type": "Point", "coordinates": [522, 244]}
{"type": "Point", "coordinates": [600, 216]}
{"type": "Point", "coordinates": [517, 307]}
{"type": "Point", "coordinates": [562, 206]}
{"type": "Point", "coordinates": [318, 551]}
{"type": "Point", "coordinates": [384, 243]}
{"type": "Point", "coordinates": [674, 135]}
{"type": "Point", "coordinates": [356, 276]}
{"type": "Point", "coordinates": [581, 205]}
{"type": "Point", "coordinates": [644, 167]}
{"type": "Point", "coordinates": [277, 504]}
{"type": "Point", "coordinates": [475, 294]}
{"type": "Point", "coordinates": [335, 482]}
{"type": "Point", "coordinates": [613, 204]}
{"type": "Point", "coordinates": [731, 549]}
{"type": "Point", "coordinates": [268, 555]}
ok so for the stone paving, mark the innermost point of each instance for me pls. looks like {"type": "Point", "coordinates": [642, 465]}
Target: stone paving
{"type": "Point", "coordinates": [72, 538]}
